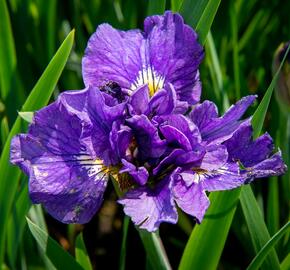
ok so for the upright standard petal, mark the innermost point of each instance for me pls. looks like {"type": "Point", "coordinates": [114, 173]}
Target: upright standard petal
{"type": "Point", "coordinates": [112, 55]}
{"type": "Point", "coordinates": [173, 54]}
{"type": "Point", "coordinates": [62, 175]}
{"type": "Point", "coordinates": [166, 52]}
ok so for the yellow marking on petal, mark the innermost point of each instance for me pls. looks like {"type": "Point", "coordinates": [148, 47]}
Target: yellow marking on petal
{"type": "Point", "coordinates": [150, 77]}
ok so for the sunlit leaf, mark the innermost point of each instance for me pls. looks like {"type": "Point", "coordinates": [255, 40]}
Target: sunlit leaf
{"type": "Point", "coordinates": [57, 255]}
{"type": "Point", "coordinates": [38, 98]}
{"type": "Point", "coordinates": [7, 52]}
{"type": "Point", "coordinates": [154, 250]}
{"type": "Point", "coordinates": [256, 225]}
{"type": "Point", "coordinates": [122, 264]}
{"type": "Point", "coordinates": [206, 242]}
{"type": "Point", "coordinates": [200, 15]}
{"type": "Point", "coordinates": [156, 7]}
{"type": "Point", "coordinates": [266, 249]}
{"type": "Point", "coordinates": [27, 116]}
{"type": "Point", "coordinates": [81, 253]}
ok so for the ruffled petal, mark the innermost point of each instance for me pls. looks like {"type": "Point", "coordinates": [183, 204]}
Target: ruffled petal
{"type": "Point", "coordinates": [148, 208]}
{"type": "Point", "coordinates": [120, 138]}
{"type": "Point", "coordinates": [271, 166]}
{"type": "Point", "coordinates": [62, 174]}
{"type": "Point", "coordinates": [249, 152]}
{"type": "Point", "coordinates": [192, 200]}
{"type": "Point", "coordinates": [149, 144]}
{"type": "Point", "coordinates": [112, 55]}
{"type": "Point", "coordinates": [175, 137]}
{"type": "Point", "coordinates": [139, 174]}
{"type": "Point", "coordinates": [215, 157]}
{"type": "Point", "coordinates": [102, 117]}
{"type": "Point", "coordinates": [139, 101]}
{"type": "Point", "coordinates": [164, 101]}
{"type": "Point", "coordinates": [203, 113]}
{"type": "Point", "coordinates": [217, 130]}
{"type": "Point", "coordinates": [183, 125]}
{"type": "Point", "coordinates": [226, 177]}
{"type": "Point", "coordinates": [174, 54]}
{"type": "Point", "coordinates": [167, 52]}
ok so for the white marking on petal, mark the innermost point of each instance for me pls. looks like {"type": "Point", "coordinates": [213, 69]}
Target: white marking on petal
{"type": "Point", "coordinates": [150, 77]}
{"type": "Point", "coordinates": [93, 167]}
{"type": "Point", "coordinates": [38, 173]}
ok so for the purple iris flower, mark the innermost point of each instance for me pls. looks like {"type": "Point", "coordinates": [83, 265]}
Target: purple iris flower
{"type": "Point", "coordinates": [130, 123]}
{"type": "Point", "coordinates": [166, 51]}
{"type": "Point", "coordinates": [200, 153]}
{"type": "Point", "coordinates": [69, 150]}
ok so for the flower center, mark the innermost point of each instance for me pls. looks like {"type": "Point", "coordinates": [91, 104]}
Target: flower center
{"type": "Point", "coordinates": [150, 77]}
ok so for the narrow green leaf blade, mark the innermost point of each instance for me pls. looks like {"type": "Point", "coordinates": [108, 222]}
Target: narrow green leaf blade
{"type": "Point", "coordinates": [285, 265]}
{"type": "Point", "coordinates": [206, 20]}
{"type": "Point", "coordinates": [154, 250]}
{"type": "Point", "coordinates": [259, 259]}
{"type": "Point", "coordinates": [122, 264]}
{"type": "Point", "coordinates": [156, 7]}
{"type": "Point", "coordinates": [17, 222]}
{"type": "Point", "coordinates": [256, 225]}
{"type": "Point", "coordinates": [38, 98]}
{"type": "Point", "coordinates": [7, 51]}
{"type": "Point", "coordinates": [200, 15]}
{"type": "Point", "coordinates": [260, 113]}
{"type": "Point", "coordinates": [152, 243]}
{"type": "Point", "coordinates": [4, 131]}
{"type": "Point", "coordinates": [205, 245]}
{"type": "Point", "coordinates": [192, 11]}
{"type": "Point", "coordinates": [27, 116]}
{"type": "Point", "coordinates": [57, 255]}
{"type": "Point", "coordinates": [273, 205]}
{"type": "Point", "coordinates": [81, 253]}
{"type": "Point", "coordinates": [175, 5]}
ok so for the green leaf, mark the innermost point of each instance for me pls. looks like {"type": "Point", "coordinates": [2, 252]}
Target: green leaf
{"type": "Point", "coordinates": [57, 255]}
{"type": "Point", "coordinates": [27, 116]}
{"type": "Point", "coordinates": [81, 253]}
{"type": "Point", "coordinates": [260, 113]}
{"type": "Point", "coordinates": [154, 250]}
{"type": "Point", "coordinates": [200, 15]}
{"type": "Point", "coordinates": [152, 243]}
{"type": "Point", "coordinates": [156, 7]}
{"type": "Point", "coordinates": [17, 222]}
{"type": "Point", "coordinates": [259, 259]}
{"type": "Point", "coordinates": [7, 52]}
{"type": "Point", "coordinates": [254, 219]}
{"type": "Point", "coordinates": [256, 225]}
{"type": "Point", "coordinates": [273, 205]}
{"type": "Point", "coordinates": [38, 98]}
{"type": "Point", "coordinates": [192, 11]}
{"type": "Point", "coordinates": [285, 265]}
{"type": "Point", "coordinates": [215, 70]}
{"type": "Point", "coordinates": [175, 5]}
{"type": "Point", "coordinates": [122, 264]}
{"type": "Point", "coordinates": [205, 245]}
{"type": "Point", "coordinates": [4, 131]}
{"type": "Point", "coordinates": [236, 65]}
{"type": "Point", "coordinates": [36, 215]}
